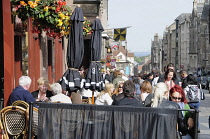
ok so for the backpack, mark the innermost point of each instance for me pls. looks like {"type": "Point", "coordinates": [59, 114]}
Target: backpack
{"type": "Point", "coordinates": [193, 93]}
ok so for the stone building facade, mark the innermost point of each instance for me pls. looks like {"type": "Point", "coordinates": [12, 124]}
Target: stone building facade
{"type": "Point", "coordinates": [186, 41]}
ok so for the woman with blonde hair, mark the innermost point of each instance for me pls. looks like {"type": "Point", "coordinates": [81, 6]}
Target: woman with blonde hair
{"type": "Point", "coordinates": [42, 94]}
{"type": "Point", "coordinates": [161, 100]}
{"type": "Point", "coordinates": [118, 90]}
{"type": "Point", "coordinates": [104, 97]}
{"type": "Point", "coordinates": [161, 93]}
{"type": "Point", "coordinates": [146, 89]}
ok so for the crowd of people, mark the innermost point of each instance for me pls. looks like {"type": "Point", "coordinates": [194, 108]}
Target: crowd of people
{"type": "Point", "coordinates": [164, 90]}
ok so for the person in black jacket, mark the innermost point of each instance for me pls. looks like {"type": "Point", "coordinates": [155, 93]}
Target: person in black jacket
{"type": "Point", "coordinates": [184, 75]}
{"type": "Point", "coordinates": [127, 97]}
{"type": "Point", "coordinates": [42, 94]}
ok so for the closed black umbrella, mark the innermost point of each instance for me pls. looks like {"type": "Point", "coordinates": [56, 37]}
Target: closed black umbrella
{"type": "Point", "coordinates": [75, 51]}
{"type": "Point", "coordinates": [94, 80]}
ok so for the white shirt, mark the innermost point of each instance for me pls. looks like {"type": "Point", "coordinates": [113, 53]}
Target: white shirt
{"type": "Point", "coordinates": [154, 82]}
{"type": "Point", "coordinates": [125, 78]}
{"type": "Point", "coordinates": [60, 97]}
{"type": "Point", "coordinates": [104, 100]}
{"type": "Point", "coordinates": [88, 93]}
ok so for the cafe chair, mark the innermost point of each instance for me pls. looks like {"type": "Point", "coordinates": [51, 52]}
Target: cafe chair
{"type": "Point", "coordinates": [2, 134]}
{"type": "Point", "coordinates": [21, 103]}
{"type": "Point", "coordinates": [14, 122]}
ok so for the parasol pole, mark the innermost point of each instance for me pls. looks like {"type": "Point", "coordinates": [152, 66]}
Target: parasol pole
{"type": "Point", "coordinates": [93, 101]}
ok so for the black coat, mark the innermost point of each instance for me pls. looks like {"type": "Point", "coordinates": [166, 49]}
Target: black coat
{"type": "Point", "coordinates": [182, 127]}
{"type": "Point", "coordinates": [128, 101]}
{"type": "Point", "coordinates": [109, 77]}
{"type": "Point", "coordinates": [48, 94]}
{"type": "Point", "coordinates": [148, 100]}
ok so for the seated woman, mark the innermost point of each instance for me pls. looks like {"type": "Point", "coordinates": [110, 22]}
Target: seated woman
{"type": "Point", "coordinates": [104, 97]}
{"type": "Point", "coordinates": [177, 95]}
{"type": "Point", "coordinates": [42, 94]}
{"type": "Point", "coordinates": [118, 90]}
{"type": "Point", "coordinates": [161, 100]}
{"type": "Point", "coordinates": [146, 89]}
{"type": "Point", "coordinates": [58, 95]}
{"type": "Point", "coordinates": [128, 92]}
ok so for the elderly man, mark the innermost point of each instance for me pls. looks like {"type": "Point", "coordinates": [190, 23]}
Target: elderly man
{"type": "Point", "coordinates": [58, 95]}
{"type": "Point", "coordinates": [21, 92]}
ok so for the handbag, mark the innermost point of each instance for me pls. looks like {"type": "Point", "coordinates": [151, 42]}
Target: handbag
{"type": "Point", "coordinates": [202, 93]}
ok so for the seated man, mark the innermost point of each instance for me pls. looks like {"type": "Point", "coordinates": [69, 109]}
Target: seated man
{"type": "Point", "coordinates": [127, 97]}
{"type": "Point", "coordinates": [21, 92]}
{"type": "Point", "coordinates": [58, 95]}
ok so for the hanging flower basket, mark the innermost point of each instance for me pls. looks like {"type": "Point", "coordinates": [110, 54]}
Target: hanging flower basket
{"type": "Point", "coordinates": [52, 16]}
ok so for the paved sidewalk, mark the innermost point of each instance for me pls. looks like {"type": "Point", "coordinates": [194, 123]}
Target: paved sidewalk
{"type": "Point", "coordinates": [204, 116]}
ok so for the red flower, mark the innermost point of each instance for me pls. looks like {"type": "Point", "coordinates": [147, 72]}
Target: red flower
{"type": "Point", "coordinates": [60, 3]}
{"type": "Point", "coordinates": [58, 9]}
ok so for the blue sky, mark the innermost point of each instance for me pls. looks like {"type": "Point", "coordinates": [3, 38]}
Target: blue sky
{"type": "Point", "coordinates": [146, 17]}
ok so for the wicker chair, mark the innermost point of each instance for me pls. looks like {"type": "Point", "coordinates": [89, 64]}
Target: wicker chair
{"type": "Point", "coordinates": [21, 103]}
{"type": "Point", "coordinates": [14, 122]}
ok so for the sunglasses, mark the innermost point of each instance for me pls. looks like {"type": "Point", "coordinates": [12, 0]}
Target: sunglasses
{"type": "Point", "coordinates": [120, 86]}
{"type": "Point", "coordinates": [179, 98]}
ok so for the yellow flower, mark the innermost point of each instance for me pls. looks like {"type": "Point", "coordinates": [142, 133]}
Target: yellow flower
{"type": "Point", "coordinates": [62, 16]}
{"type": "Point", "coordinates": [30, 2]}
{"type": "Point", "coordinates": [32, 5]}
{"type": "Point", "coordinates": [46, 8]}
{"type": "Point", "coordinates": [67, 17]}
{"type": "Point", "coordinates": [23, 3]}
{"type": "Point", "coordinates": [66, 33]}
{"type": "Point", "coordinates": [37, 1]}
{"type": "Point", "coordinates": [63, 27]}
{"type": "Point", "coordinates": [86, 30]}
{"type": "Point", "coordinates": [60, 23]}
{"type": "Point", "coordinates": [62, 32]}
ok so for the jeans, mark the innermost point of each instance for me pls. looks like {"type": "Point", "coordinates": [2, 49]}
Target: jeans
{"type": "Point", "coordinates": [195, 105]}
{"type": "Point", "coordinates": [186, 137]}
